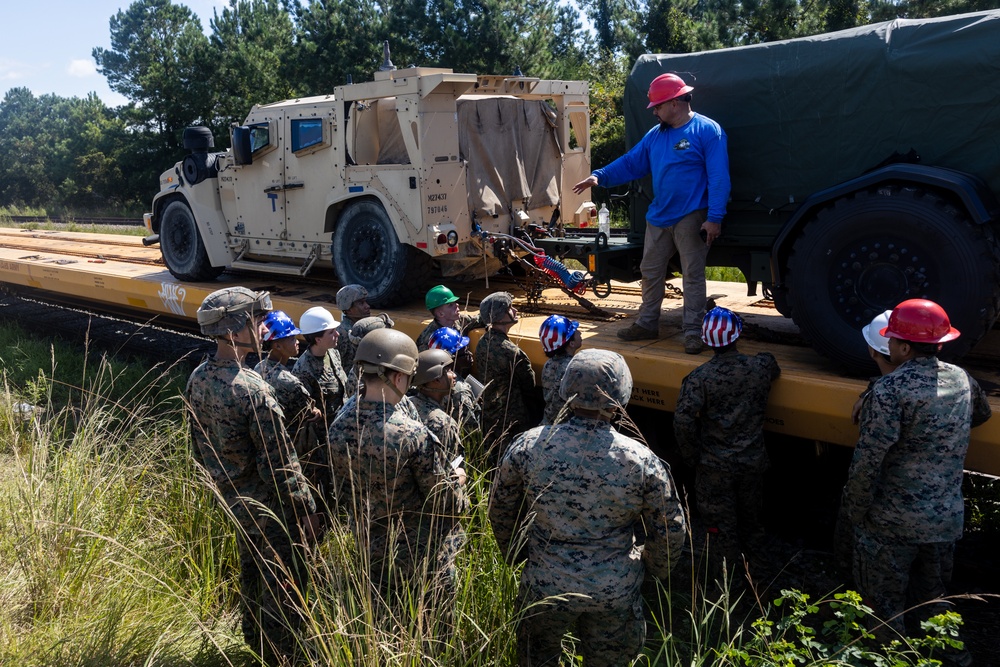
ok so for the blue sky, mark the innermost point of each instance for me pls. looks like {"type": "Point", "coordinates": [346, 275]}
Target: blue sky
{"type": "Point", "coordinates": [46, 44]}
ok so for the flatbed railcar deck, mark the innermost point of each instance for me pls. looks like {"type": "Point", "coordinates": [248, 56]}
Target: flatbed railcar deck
{"type": "Point", "coordinates": [811, 399]}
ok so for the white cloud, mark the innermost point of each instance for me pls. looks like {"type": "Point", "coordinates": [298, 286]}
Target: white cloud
{"type": "Point", "coordinates": [11, 70]}
{"type": "Point", "coordinates": [81, 68]}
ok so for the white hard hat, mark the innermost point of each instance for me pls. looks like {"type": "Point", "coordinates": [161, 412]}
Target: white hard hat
{"type": "Point", "coordinates": [316, 319]}
{"type": "Point", "coordinates": [877, 341]}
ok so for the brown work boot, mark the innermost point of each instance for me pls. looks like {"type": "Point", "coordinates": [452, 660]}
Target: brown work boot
{"type": "Point", "coordinates": [637, 332]}
{"type": "Point", "coordinates": [693, 344]}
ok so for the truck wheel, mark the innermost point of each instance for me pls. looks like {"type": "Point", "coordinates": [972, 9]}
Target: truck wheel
{"type": "Point", "coordinates": [181, 245]}
{"type": "Point", "coordinates": [367, 252]}
{"type": "Point", "coordinates": [871, 250]}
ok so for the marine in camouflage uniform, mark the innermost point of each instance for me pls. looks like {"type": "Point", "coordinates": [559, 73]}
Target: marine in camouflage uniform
{"type": "Point", "coordinates": [433, 383]}
{"type": "Point", "coordinates": [238, 436]}
{"type": "Point", "coordinates": [356, 333]}
{"type": "Point", "coordinates": [464, 407]}
{"type": "Point", "coordinates": [904, 489]}
{"type": "Point", "coordinates": [586, 488]}
{"type": "Point", "coordinates": [443, 306]}
{"type": "Point", "coordinates": [403, 500]}
{"type": "Point", "coordinates": [352, 300]}
{"type": "Point", "coordinates": [719, 428]}
{"type": "Point", "coordinates": [505, 371]}
{"type": "Point", "coordinates": [325, 379]}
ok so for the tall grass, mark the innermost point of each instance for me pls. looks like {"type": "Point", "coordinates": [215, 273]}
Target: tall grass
{"type": "Point", "coordinates": [114, 552]}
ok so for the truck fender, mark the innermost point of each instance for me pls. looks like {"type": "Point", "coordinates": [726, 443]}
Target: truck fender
{"type": "Point", "coordinates": [203, 200]}
{"type": "Point", "coordinates": [978, 200]}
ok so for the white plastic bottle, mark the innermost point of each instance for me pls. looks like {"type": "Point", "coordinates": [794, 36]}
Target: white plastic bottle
{"type": "Point", "coordinates": [604, 221]}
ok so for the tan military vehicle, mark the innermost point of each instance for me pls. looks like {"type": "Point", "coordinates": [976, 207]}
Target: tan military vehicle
{"type": "Point", "coordinates": [386, 181]}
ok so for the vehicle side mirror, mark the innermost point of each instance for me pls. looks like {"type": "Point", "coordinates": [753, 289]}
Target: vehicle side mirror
{"type": "Point", "coordinates": [242, 152]}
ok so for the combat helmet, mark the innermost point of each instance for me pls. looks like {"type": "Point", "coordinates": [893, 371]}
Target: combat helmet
{"type": "Point", "coordinates": [596, 380]}
{"type": "Point", "coordinates": [494, 307]}
{"type": "Point", "coordinates": [228, 310]}
{"type": "Point", "coordinates": [431, 364]}
{"type": "Point", "coordinates": [386, 348]}
{"type": "Point", "coordinates": [366, 325]}
{"type": "Point", "coordinates": [348, 294]}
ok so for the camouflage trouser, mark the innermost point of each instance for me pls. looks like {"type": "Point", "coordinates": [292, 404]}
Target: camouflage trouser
{"type": "Point", "coordinates": [605, 637]}
{"type": "Point", "coordinates": [272, 577]}
{"type": "Point", "coordinates": [730, 505]}
{"type": "Point", "coordinates": [891, 576]}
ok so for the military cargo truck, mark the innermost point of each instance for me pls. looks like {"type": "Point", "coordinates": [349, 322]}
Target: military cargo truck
{"type": "Point", "coordinates": [385, 180]}
{"type": "Point", "coordinates": [865, 170]}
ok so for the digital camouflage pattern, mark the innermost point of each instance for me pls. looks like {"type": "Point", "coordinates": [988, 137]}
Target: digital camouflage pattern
{"type": "Point", "coordinates": [297, 404]}
{"type": "Point", "coordinates": [587, 487]}
{"type": "Point", "coordinates": [464, 323]}
{"type": "Point", "coordinates": [719, 419]}
{"type": "Point", "coordinates": [903, 494]}
{"type": "Point", "coordinates": [509, 381]}
{"type": "Point", "coordinates": [596, 380]}
{"type": "Point", "coordinates": [345, 348]}
{"type": "Point", "coordinates": [464, 407]}
{"type": "Point", "coordinates": [325, 379]}
{"type": "Point", "coordinates": [552, 375]}
{"type": "Point", "coordinates": [440, 423]}
{"type": "Point", "coordinates": [238, 436]}
{"type": "Point", "coordinates": [401, 497]}
{"type": "Point", "coordinates": [905, 480]}
{"type": "Point", "coordinates": [719, 428]}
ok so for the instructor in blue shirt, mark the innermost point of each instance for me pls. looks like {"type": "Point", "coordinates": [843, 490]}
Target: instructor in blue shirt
{"type": "Point", "coordinates": [686, 155]}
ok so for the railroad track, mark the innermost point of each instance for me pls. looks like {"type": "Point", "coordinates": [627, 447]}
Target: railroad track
{"type": "Point", "coordinates": [73, 219]}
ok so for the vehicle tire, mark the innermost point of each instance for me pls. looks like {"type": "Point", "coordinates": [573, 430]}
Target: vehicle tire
{"type": "Point", "coordinates": [181, 245]}
{"type": "Point", "coordinates": [366, 251]}
{"type": "Point", "coordinates": [871, 250]}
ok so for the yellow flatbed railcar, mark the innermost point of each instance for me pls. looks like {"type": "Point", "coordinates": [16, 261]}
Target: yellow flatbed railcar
{"type": "Point", "coordinates": [811, 399]}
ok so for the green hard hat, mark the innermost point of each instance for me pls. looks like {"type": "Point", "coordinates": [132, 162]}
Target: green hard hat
{"type": "Point", "coordinates": [439, 295]}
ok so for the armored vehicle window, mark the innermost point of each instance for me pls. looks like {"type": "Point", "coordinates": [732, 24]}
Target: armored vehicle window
{"type": "Point", "coordinates": [260, 137]}
{"type": "Point", "coordinates": [306, 132]}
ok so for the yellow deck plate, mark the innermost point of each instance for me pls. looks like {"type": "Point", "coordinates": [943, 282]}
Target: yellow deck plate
{"type": "Point", "coordinates": [810, 400]}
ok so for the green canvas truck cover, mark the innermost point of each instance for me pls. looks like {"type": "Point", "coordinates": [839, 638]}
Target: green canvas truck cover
{"type": "Point", "coordinates": [805, 114]}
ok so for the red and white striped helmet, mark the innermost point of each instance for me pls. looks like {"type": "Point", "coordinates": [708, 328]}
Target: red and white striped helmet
{"type": "Point", "coordinates": [721, 327]}
{"type": "Point", "coordinates": [555, 331]}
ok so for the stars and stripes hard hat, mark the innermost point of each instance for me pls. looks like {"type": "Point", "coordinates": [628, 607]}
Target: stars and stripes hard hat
{"type": "Point", "coordinates": [555, 331]}
{"type": "Point", "coordinates": [721, 327]}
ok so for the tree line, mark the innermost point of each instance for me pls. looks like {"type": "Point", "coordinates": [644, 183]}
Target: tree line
{"type": "Point", "coordinates": [79, 155]}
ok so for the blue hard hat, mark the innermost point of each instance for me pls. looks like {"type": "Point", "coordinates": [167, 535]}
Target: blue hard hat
{"type": "Point", "coordinates": [279, 325]}
{"type": "Point", "coordinates": [555, 331]}
{"type": "Point", "coordinates": [449, 340]}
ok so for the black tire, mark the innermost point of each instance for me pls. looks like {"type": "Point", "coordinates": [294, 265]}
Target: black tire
{"type": "Point", "coordinates": [871, 250]}
{"type": "Point", "coordinates": [181, 245]}
{"type": "Point", "coordinates": [366, 251]}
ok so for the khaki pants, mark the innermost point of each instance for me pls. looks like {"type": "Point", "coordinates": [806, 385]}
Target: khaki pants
{"type": "Point", "coordinates": [659, 246]}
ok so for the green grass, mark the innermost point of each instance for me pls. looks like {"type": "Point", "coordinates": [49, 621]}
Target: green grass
{"type": "Point", "coordinates": [113, 552]}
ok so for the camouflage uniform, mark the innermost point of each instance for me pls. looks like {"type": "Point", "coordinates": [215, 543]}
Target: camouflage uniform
{"type": "Point", "coordinates": [718, 424]}
{"type": "Point", "coordinates": [509, 381]}
{"type": "Point", "coordinates": [344, 345]}
{"type": "Point", "coordinates": [904, 488]}
{"type": "Point", "coordinates": [403, 501]}
{"type": "Point", "coordinates": [587, 488]}
{"type": "Point", "coordinates": [297, 404]}
{"type": "Point", "coordinates": [440, 423]}
{"type": "Point", "coordinates": [464, 407]}
{"type": "Point", "coordinates": [552, 375]}
{"type": "Point", "coordinates": [238, 436]}
{"type": "Point", "coordinates": [424, 339]}
{"type": "Point", "coordinates": [325, 379]}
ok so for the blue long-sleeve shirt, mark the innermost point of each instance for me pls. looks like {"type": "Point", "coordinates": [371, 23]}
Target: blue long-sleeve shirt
{"type": "Point", "coordinates": [690, 169]}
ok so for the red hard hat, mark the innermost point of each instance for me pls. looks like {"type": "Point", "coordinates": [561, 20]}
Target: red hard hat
{"type": "Point", "coordinates": [665, 88]}
{"type": "Point", "coordinates": [920, 321]}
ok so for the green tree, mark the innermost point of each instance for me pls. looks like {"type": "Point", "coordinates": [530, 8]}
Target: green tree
{"type": "Point", "coordinates": [161, 61]}
{"type": "Point", "coordinates": [336, 40]}
{"type": "Point", "coordinates": [617, 24]}
{"type": "Point", "coordinates": [252, 41]}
